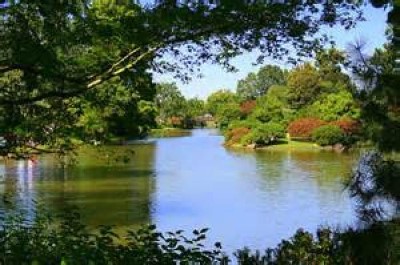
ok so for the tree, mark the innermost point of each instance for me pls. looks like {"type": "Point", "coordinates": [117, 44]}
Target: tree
{"type": "Point", "coordinates": [304, 85]}
{"type": "Point", "coordinates": [334, 106]}
{"type": "Point", "coordinates": [65, 50]}
{"type": "Point", "coordinates": [256, 85]}
{"type": "Point", "coordinates": [269, 108]}
{"type": "Point", "coordinates": [379, 96]}
{"type": "Point", "coordinates": [330, 63]}
{"type": "Point", "coordinates": [224, 105]}
{"type": "Point", "coordinates": [169, 101]}
{"type": "Point", "coordinates": [195, 107]}
{"type": "Point", "coordinates": [218, 99]}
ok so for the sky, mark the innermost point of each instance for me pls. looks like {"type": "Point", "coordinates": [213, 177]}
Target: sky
{"type": "Point", "coordinates": [214, 77]}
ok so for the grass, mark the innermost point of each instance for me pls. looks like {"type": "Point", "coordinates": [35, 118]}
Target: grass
{"type": "Point", "coordinates": [168, 132]}
{"type": "Point", "coordinates": [285, 145]}
{"type": "Point", "coordinates": [291, 145]}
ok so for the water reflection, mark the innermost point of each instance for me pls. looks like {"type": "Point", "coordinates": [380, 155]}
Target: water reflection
{"type": "Point", "coordinates": [247, 198]}
{"type": "Point", "coordinates": [115, 193]}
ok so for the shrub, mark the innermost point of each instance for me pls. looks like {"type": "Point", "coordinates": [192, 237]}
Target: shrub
{"type": "Point", "coordinates": [264, 134]}
{"type": "Point", "coordinates": [244, 124]}
{"type": "Point", "coordinates": [247, 107]}
{"type": "Point", "coordinates": [348, 126]}
{"type": "Point", "coordinates": [175, 121]}
{"type": "Point", "coordinates": [68, 241]}
{"type": "Point", "coordinates": [304, 127]}
{"type": "Point", "coordinates": [328, 135]}
{"type": "Point", "coordinates": [235, 135]}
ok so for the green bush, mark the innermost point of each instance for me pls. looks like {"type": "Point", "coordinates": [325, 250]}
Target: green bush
{"type": "Point", "coordinates": [328, 135]}
{"type": "Point", "coordinates": [67, 241]}
{"type": "Point", "coordinates": [264, 134]}
{"type": "Point", "coordinates": [247, 123]}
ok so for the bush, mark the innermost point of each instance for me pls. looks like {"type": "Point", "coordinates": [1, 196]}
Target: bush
{"type": "Point", "coordinates": [328, 135]}
{"type": "Point", "coordinates": [248, 123]}
{"type": "Point", "coordinates": [264, 134]}
{"type": "Point", "coordinates": [247, 107]}
{"type": "Point", "coordinates": [348, 126]}
{"type": "Point", "coordinates": [304, 127]}
{"type": "Point", "coordinates": [235, 135]}
{"type": "Point", "coordinates": [68, 241]}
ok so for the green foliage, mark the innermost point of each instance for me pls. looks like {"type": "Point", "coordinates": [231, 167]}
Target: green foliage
{"type": "Point", "coordinates": [175, 110]}
{"type": "Point", "coordinates": [216, 100]}
{"type": "Point", "coordinates": [264, 134]}
{"type": "Point", "coordinates": [382, 176]}
{"type": "Point", "coordinates": [268, 109]}
{"type": "Point", "coordinates": [228, 113]}
{"type": "Point", "coordinates": [195, 107]}
{"type": "Point", "coordinates": [330, 63]}
{"type": "Point", "coordinates": [279, 92]}
{"type": "Point", "coordinates": [67, 241]}
{"type": "Point", "coordinates": [76, 56]}
{"type": "Point", "coordinates": [247, 123]}
{"type": "Point", "coordinates": [169, 101]}
{"type": "Point", "coordinates": [304, 85]}
{"type": "Point", "coordinates": [335, 106]}
{"type": "Point", "coordinates": [225, 107]}
{"type": "Point", "coordinates": [328, 135]}
{"type": "Point", "coordinates": [257, 85]}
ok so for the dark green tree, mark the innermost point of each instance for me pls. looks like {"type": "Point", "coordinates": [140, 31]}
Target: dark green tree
{"type": "Point", "coordinates": [169, 101]}
{"type": "Point", "coordinates": [304, 85]}
{"type": "Point", "coordinates": [256, 85]}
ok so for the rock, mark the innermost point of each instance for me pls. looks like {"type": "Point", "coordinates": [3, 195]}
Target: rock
{"type": "Point", "coordinates": [339, 148]}
{"type": "Point", "coordinates": [252, 146]}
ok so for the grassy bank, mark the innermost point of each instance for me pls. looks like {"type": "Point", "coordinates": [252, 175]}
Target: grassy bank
{"type": "Point", "coordinates": [169, 132]}
{"type": "Point", "coordinates": [284, 145]}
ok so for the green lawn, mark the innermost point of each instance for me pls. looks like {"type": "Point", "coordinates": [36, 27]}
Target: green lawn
{"type": "Point", "coordinates": [293, 145]}
{"type": "Point", "coordinates": [169, 132]}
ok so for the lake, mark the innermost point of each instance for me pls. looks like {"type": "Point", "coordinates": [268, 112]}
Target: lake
{"type": "Point", "coordinates": [246, 198]}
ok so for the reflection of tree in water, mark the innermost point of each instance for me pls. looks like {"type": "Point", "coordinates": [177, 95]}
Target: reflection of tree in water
{"type": "Point", "coordinates": [325, 167]}
{"type": "Point", "coordinates": [105, 193]}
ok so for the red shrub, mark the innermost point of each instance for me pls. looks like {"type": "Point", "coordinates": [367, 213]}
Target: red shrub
{"type": "Point", "coordinates": [348, 126]}
{"type": "Point", "coordinates": [247, 107]}
{"type": "Point", "coordinates": [304, 127]}
{"type": "Point", "coordinates": [233, 136]}
{"type": "Point", "coordinates": [175, 121]}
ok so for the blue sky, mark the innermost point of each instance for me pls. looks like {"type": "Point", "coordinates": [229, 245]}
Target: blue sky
{"type": "Point", "coordinates": [215, 77]}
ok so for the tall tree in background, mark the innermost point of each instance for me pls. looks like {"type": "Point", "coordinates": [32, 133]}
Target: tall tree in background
{"type": "Point", "coordinates": [304, 85]}
{"type": "Point", "coordinates": [169, 101]}
{"type": "Point", "coordinates": [257, 85]}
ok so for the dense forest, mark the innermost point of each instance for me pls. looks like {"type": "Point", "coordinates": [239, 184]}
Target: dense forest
{"type": "Point", "coordinates": [76, 71]}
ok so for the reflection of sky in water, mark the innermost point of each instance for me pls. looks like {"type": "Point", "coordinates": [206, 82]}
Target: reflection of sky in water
{"type": "Point", "coordinates": [247, 198]}
{"type": "Point", "coordinates": [16, 186]}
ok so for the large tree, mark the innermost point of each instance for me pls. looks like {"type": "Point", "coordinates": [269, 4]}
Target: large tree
{"type": "Point", "coordinates": [169, 101]}
{"type": "Point", "coordinates": [54, 52]}
{"type": "Point", "coordinates": [256, 85]}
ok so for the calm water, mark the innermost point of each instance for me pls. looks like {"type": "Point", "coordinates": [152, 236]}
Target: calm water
{"type": "Point", "coordinates": [247, 198]}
